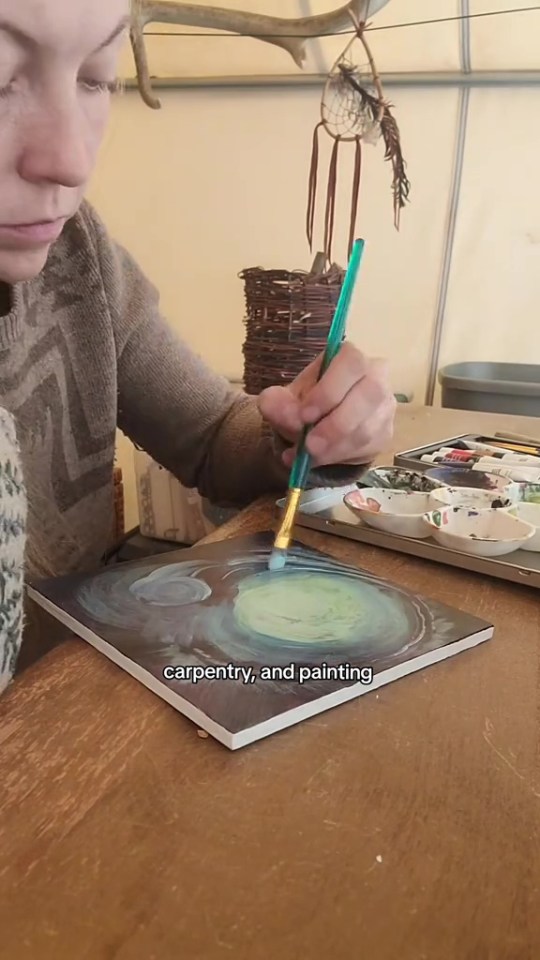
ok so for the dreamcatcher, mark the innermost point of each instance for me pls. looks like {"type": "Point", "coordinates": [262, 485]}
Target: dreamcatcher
{"type": "Point", "coordinates": [354, 110]}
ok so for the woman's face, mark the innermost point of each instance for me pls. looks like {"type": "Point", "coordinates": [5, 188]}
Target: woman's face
{"type": "Point", "coordinates": [58, 63]}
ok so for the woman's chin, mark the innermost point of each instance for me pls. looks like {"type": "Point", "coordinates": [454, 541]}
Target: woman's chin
{"type": "Point", "coordinates": [16, 266]}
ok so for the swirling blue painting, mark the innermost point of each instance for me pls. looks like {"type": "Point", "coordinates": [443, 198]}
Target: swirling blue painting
{"type": "Point", "coordinates": [244, 651]}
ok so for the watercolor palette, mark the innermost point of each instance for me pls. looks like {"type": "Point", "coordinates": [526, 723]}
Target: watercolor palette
{"type": "Point", "coordinates": [325, 510]}
{"type": "Point", "coordinates": [489, 476]}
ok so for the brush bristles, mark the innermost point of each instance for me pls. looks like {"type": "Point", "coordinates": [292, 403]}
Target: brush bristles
{"type": "Point", "coordinates": [277, 561]}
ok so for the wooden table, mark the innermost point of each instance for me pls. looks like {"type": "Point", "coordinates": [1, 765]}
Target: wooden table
{"type": "Point", "coordinates": [402, 825]}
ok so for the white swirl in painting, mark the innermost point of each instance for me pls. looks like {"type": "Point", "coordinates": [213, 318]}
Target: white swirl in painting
{"type": "Point", "coordinates": [232, 609]}
{"type": "Point", "coordinates": [169, 587]}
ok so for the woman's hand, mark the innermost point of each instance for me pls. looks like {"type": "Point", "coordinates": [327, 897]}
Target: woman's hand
{"type": "Point", "coordinates": [352, 407]}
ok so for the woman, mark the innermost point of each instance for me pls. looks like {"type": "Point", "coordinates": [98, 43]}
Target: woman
{"type": "Point", "coordinates": [83, 348]}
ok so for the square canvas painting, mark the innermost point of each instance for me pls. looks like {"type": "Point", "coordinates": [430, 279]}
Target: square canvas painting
{"type": "Point", "coordinates": [244, 652]}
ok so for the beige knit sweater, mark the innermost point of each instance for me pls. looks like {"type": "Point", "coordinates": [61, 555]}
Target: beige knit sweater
{"type": "Point", "coordinates": [84, 350]}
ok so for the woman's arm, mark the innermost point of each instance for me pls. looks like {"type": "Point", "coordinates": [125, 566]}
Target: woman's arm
{"type": "Point", "coordinates": [12, 546]}
{"type": "Point", "coordinates": [172, 405]}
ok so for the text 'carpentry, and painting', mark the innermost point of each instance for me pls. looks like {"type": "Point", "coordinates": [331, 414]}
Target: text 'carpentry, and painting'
{"type": "Point", "coordinates": [194, 673]}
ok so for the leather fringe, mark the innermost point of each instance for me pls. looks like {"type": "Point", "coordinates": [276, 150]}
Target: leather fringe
{"type": "Point", "coordinates": [330, 202]}
{"type": "Point", "coordinates": [312, 190]}
{"type": "Point", "coordinates": [355, 193]}
{"type": "Point", "coordinates": [331, 194]}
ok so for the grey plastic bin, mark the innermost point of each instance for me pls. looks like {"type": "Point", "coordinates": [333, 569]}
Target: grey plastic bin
{"type": "Point", "coordinates": [492, 387]}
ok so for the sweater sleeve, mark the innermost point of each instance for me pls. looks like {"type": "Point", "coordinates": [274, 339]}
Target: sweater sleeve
{"type": "Point", "coordinates": [185, 416]}
{"type": "Point", "coordinates": [12, 546]}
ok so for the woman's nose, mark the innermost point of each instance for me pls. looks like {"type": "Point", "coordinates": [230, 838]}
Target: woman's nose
{"type": "Point", "coordinates": [57, 148]}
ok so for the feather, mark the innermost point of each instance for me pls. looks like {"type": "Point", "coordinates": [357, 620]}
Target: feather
{"type": "Point", "coordinates": [390, 132]}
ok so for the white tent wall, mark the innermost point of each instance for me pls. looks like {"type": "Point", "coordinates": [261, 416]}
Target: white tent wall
{"type": "Point", "coordinates": [226, 188]}
{"type": "Point", "coordinates": [492, 309]}
{"type": "Point", "coordinates": [216, 181]}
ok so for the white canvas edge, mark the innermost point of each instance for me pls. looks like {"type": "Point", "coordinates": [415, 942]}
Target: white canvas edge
{"type": "Point", "coordinates": [287, 719]}
{"type": "Point", "coordinates": [139, 673]}
{"type": "Point", "coordinates": [297, 714]}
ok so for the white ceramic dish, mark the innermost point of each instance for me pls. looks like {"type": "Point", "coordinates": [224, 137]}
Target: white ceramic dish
{"type": "Point", "coordinates": [530, 513]}
{"type": "Point", "coordinates": [395, 511]}
{"type": "Point", "coordinates": [470, 497]}
{"type": "Point", "coordinates": [483, 533]}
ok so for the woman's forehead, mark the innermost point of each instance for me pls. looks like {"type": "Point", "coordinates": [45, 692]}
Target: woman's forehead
{"type": "Point", "coordinates": [70, 26]}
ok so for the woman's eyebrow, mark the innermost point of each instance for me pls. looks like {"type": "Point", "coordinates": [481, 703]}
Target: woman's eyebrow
{"type": "Point", "coordinates": [25, 40]}
{"type": "Point", "coordinates": [120, 27]}
{"type": "Point", "coordinates": [20, 37]}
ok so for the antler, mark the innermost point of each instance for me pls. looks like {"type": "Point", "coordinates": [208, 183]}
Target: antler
{"type": "Point", "coordinates": [289, 34]}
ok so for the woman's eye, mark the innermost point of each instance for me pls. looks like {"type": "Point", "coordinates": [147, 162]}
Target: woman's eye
{"type": "Point", "coordinates": [100, 86]}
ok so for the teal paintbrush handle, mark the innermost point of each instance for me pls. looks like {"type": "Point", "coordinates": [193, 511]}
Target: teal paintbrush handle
{"type": "Point", "coordinates": [302, 463]}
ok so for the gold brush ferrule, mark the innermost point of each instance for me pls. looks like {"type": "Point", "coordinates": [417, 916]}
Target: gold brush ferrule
{"type": "Point", "coordinates": [284, 534]}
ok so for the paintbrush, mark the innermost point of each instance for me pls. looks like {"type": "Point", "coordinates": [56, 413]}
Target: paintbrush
{"type": "Point", "coordinates": [302, 462]}
{"type": "Point", "coordinates": [520, 438]}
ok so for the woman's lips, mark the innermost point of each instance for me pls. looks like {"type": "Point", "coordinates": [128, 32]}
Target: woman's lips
{"type": "Point", "coordinates": [32, 234]}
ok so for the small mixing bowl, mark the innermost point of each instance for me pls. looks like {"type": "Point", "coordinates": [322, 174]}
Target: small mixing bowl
{"type": "Point", "coordinates": [466, 477]}
{"type": "Point", "coordinates": [398, 478]}
{"type": "Point", "coordinates": [483, 533]}
{"type": "Point", "coordinates": [395, 511]}
{"type": "Point", "coordinates": [530, 513]}
{"type": "Point", "coordinates": [470, 497]}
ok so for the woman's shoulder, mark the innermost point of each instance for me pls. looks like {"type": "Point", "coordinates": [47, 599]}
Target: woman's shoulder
{"type": "Point", "coordinates": [84, 265]}
{"type": "Point", "coordinates": [75, 260]}
{"type": "Point", "coordinates": [87, 264]}
{"type": "Point", "coordinates": [85, 233]}
{"type": "Point", "coordinates": [89, 220]}
{"type": "Point", "coordinates": [87, 242]}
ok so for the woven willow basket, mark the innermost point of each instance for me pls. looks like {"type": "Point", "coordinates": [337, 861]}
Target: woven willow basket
{"type": "Point", "coordinates": [288, 316]}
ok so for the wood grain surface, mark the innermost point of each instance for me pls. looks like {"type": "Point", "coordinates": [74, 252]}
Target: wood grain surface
{"type": "Point", "coordinates": [401, 826]}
